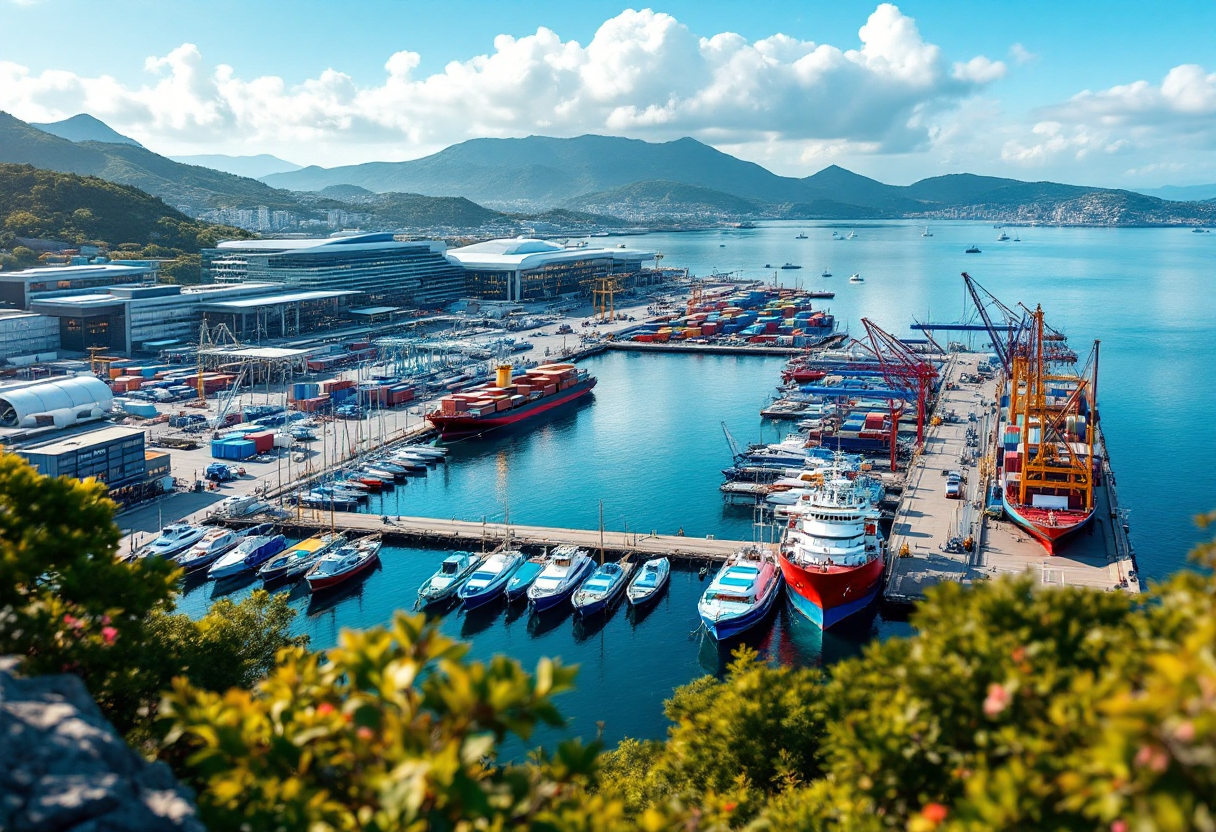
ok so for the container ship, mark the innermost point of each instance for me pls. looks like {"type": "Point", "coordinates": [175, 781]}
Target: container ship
{"type": "Point", "coordinates": [510, 400]}
{"type": "Point", "coordinates": [1046, 467]}
{"type": "Point", "coordinates": [832, 554]}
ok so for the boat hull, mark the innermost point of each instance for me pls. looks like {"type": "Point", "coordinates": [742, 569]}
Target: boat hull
{"type": "Point", "coordinates": [603, 602]}
{"type": "Point", "coordinates": [315, 584]}
{"type": "Point", "coordinates": [480, 597]}
{"type": "Point", "coordinates": [523, 579]}
{"type": "Point", "coordinates": [642, 599]}
{"type": "Point", "coordinates": [548, 602]}
{"type": "Point", "coordinates": [463, 425]}
{"type": "Point", "coordinates": [1038, 522]}
{"type": "Point", "coordinates": [827, 598]}
{"type": "Point", "coordinates": [722, 629]}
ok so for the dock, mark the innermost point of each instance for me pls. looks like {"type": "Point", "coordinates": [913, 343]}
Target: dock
{"type": "Point", "coordinates": [705, 349]}
{"type": "Point", "coordinates": [1100, 557]}
{"type": "Point", "coordinates": [469, 534]}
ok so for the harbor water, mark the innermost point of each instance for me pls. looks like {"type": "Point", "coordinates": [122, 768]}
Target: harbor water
{"type": "Point", "coordinates": [649, 443]}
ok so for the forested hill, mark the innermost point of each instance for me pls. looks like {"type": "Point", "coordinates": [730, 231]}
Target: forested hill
{"type": "Point", "coordinates": [86, 209]}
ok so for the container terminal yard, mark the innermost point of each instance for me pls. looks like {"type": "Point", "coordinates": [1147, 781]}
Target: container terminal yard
{"type": "Point", "coordinates": [898, 435]}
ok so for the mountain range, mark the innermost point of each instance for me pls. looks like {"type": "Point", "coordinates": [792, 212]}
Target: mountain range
{"type": "Point", "coordinates": [254, 167]}
{"type": "Point", "coordinates": [586, 180]}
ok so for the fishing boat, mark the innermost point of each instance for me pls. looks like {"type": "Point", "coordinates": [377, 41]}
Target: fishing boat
{"type": "Point", "coordinates": [568, 567]}
{"type": "Point", "coordinates": [173, 539]}
{"type": "Point", "coordinates": [648, 582]}
{"type": "Point", "coordinates": [454, 571]}
{"type": "Point", "coordinates": [491, 578]}
{"type": "Point", "coordinates": [599, 592]}
{"type": "Point", "coordinates": [832, 553]}
{"type": "Point", "coordinates": [210, 548]}
{"type": "Point", "coordinates": [525, 576]}
{"type": "Point", "coordinates": [801, 237]}
{"type": "Point", "coordinates": [299, 558]}
{"type": "Point", "coordinates": [259, 545]}
{"type": "Point", "coordinates": [343, 563]}
{"type": "Point", "coordinates": [741, 594]}
{"type": "Point", "coordinates": [510, 400]}
{"type": "Point", "coordinates": [856, 278]}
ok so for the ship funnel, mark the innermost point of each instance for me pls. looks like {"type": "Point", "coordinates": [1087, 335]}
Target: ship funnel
{"type": "Point", "coordinates": [504, 375]}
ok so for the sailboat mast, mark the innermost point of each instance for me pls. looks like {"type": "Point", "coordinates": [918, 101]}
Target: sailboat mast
{"type": "Point", "coordinates": [601, 532]}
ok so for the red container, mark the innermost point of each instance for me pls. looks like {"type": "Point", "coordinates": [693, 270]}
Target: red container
{"type": "Point", "coordinates": [550, 389]}
{"type": "Point", "coordinates": [263, 442]}
{"type": "Point", "coordinates": [1013, 462]}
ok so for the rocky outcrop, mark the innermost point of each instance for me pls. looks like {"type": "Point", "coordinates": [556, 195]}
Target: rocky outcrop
{"type": "Point", "coordinates": [63, 767]}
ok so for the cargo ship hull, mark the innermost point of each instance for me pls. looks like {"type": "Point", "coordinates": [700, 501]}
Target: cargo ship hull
{"type": "Point", "coordinates": [463, 424]}
{"type": "Point", "coordinates": [828, 597]}
{"type": "Point", "coordinates": [1052, 528]}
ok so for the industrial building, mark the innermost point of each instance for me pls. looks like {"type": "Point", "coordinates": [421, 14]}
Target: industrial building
{"type": "Point", "coordinates": [281, 315]}
{"type": "Point", "coordinates": [19, 289]}
{"type": "Point", "coordinates": [114, 455]}
{"type": "Point", "coordinates": [523, 269]}
{"type": "Point", "coordinates": [389, 272]}
{"type": "Point", "coordinates": [26, 337]}
{"type": "Point", "coordinates": [54, 404]}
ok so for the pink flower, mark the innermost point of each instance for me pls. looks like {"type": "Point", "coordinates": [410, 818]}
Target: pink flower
{"type": "Point", "coordinates": [325, 709]}
{"type": "Point", "coordinates": [108, 634]}
{"type": "Point", "coordinates": [1185, 732]}
{"type": "Point", "coordinates": [997, 701]}
{"type": "Point", "coordinates": [105, 619]}
{"type": "Point", "coordinates": [1152, 758]}
{"type": "Point", "coordinates": [364, 733]}
{"type": "Point", "coordinates": [1118, 826]}
{"type": "Point", "coordinates": [72, 621]}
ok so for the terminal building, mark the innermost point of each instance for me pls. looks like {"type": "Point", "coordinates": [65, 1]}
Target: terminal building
{"type": "Point", "coordinates": [26, 337]}
{"type": "Point", "coordinates": [114, 455]}
{"type": "Point", "coordinates": [19, 289]}
{"type": "Point", "coordinates": [389, 272]}
{"type": "Point", "coordinates": [523, 269]}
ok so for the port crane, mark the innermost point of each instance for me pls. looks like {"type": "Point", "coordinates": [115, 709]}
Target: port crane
{"type": "Point", "coordinates": [902, 369]}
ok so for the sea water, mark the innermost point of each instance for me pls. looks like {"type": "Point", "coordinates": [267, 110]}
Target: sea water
{"type": "Point", "coordinates": [649, 445]}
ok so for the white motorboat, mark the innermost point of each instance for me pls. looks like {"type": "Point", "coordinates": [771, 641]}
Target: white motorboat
{"type": "Point", "coordinates": [238, 506]}
{"type": "Point", "coordinates": [258, 546]}
{"type": "Point", "coordinates": [568, 567]}
{"type": "Point", "coordinates": [649, 582]}
{"type": "Point", "coordinates": [856, 278]}
{"type": "Point", "coordinates": [174, 539]}
{"type": "Point", "coordinates": [213, 545]}
{"type": "Point", "coordinates": [490, 579]}
{"type": "Point", "coordinates": [454, 571]}
{"type": "Point", "coordinates": [741, 594]}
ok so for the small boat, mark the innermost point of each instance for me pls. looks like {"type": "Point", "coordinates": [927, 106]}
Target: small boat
{"type": "Point", "coordinates": [174, 539]}
{"type": "Point", "coordinates": [490, 579]}
{"type": "Point", "coordinates": [454, 571]}
{"type": "Point", "coordinates": [649, 582]}
{"type": "Point", "coordinates": [791, 266]}
{"type": "Point", "coordinates": [973, 250]}
{"type": "Point", "coordinates": [926, 232]}
{"type": "Point", "coordinates": [299, 558]}
{"type": "Point", "coordinates": [343, 563]}
{"type": "Point", "coordinates": [435, 452]}
{"type": "Point", "coordinates": [852, 235]}
{"type": "Point", "coordinates": [238, 506]}
{"type": "Point", "coordinates": [599, 592]}
{"type": "Point", "coordinates": [258, 547]}
{"type": "Point", "coordinates": [856, 278]}
{"type": "Point", "coordinates": [211, 547]}
{"type": "Point", "coordinates": [1002, 237]}
{"type": "Point", "coordinates": [741, 594]}
{"type": "Point", "coordinates": [821, 293]}
{"type": "Point", "coordinates": [800, 237]}
{"type": "Point", "coordinates": [825, 273]}
{"type": "Point", "coordinates": [568, 567]}
{"type": "Point", "coordinates": [1016, 238]}
{"type": "Point", "coordinates": [525, 576]}
{"type": "Point", "coordinates": [314, 499]}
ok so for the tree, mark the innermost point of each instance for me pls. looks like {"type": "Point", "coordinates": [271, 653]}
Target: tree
{"type": "Point", "coordinates": [67, 604]}
{"type": "Point", "coordinates": [392, 730]}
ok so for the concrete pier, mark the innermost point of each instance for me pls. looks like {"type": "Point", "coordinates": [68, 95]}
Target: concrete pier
{"type": "Point", "coordinates": [1099, 557]}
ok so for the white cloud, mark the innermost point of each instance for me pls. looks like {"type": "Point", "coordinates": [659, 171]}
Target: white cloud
{"type": "Point", "coordinates": [1021, 55]}
{"type": "Point", "coordinates": [643, 74]}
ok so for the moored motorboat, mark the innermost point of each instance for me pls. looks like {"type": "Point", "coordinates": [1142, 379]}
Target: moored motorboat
{"type": "Point", "coordinates": [649, 581]}
{"type": "Point", "coordinates": [444, 584]}
{"type": "Point", "coordinates": [491, 578]}
{"type": "Point", "coordinates": [297, 559]}
{"type": "Point", "coordinates": [525, 576]}
{"type": "Point", "coordinates": [343, 563]}
{"type": "Point", "coordinates": [741, 594]}
{"type": "Point", "coordinates": [599, 592]}
{"type": "Point", "coordinates": [260, 544]}
{"type": "Point", "coordinates": [211, 547]}
{"type": "Point", "coordinates": [173, 539]}
{"type": "Point", "coordinates": [568, 567]}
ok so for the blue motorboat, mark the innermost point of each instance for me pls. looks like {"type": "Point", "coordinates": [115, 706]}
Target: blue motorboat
{"type": "Point", "coordinates": [648, 582]}
{"type": "Point", "coordinates": [490, 579]}
{"type": "Point", "coordinates": [741, 594]}
{"type": "Point", "coordinates": [567, 568]}
{"type": "Point", "coordinates": [259, 546]}
{"type": "Point", "coordinates": [599, 592]}
{"type": "Point", "coordinates": [525, 576]}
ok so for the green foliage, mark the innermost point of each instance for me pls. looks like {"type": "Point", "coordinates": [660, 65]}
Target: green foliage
{"type": "Point", "coordinates": [185, 270]}
{"type": "Point", "coordinates": [391, 730]}
{"type": "Point", "coordinates": [85, 209]}
{"type": "Point", "coordinates": [68, 605]}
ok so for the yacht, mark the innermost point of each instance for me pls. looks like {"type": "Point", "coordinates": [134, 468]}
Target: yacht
{"type": "Point", "coordinates": [343, 563]}
{"type": "Point", "coordinates": [259, 546]}
{"type": "Point", "coordinates": [174, 539]}
{"type": "Point", "coordinates": [299, 558]}
{"type": "Point", "coordinates": [741, 594]}
{"type": "Point", "coordinates": [1002, 237]}
{"type": "Point", "coordinates": [568, 567]}
{"type": "Point", "coordinates": [525, 576]}
{"type": "Point", "coordinates": [490, 579]}
{"type": "Point", "coordinates": [214, 544]}
{"type": "Point", "coordinates": [238, 506]}
{"type": "Point", "coordinates": [453, 572]}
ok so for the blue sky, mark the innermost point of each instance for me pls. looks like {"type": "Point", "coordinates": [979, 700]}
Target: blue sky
{"type": "Point", "coordinates": [1108, 93]}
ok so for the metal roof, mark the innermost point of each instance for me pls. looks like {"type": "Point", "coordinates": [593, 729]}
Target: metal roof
{"type": "Point", "coordinates": [66, 399]}
{"type": "Point", "coordinates": [85, 440]}
{"type": "Point", "coordinates": [275, 300]}
{"type": "Point", "coordinates": [525, 253]}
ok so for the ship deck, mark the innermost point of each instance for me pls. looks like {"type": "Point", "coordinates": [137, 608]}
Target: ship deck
{"type": "Point", "coordinates": [1099, 557]}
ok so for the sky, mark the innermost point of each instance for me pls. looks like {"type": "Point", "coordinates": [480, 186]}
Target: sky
{"type": "Point", "coordinates": [1115, 94]}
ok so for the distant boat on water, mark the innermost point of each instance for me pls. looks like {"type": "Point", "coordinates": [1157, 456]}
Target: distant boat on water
{"type": "Point", "coordinates": [1002, 237]}
{"type": "Point", "coordinates": [825, 273]}
{"type": "Point", "coordinates": [974, 249]}
{"type": "Point", "coordinates": [856, 278]}
{"type": "Point", "coordinates": [791, 266]}
{"type": "Point", "coordinates": [800, 237]}
{"type": "Point", "coordinates": [926, 232]}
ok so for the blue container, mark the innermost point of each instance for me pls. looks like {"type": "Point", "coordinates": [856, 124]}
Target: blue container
{"type": "Point", "coordinates": [239, 449]}
{"type": "Point", "coordinates": [345, 394]}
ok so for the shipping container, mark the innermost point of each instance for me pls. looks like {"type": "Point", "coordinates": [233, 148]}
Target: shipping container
{"type": "Point", "coordinates": [263, 441]}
